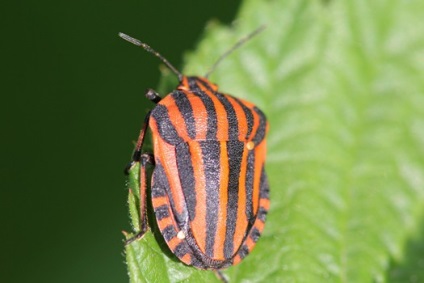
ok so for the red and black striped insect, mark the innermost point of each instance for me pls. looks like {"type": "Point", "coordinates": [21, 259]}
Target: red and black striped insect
{"type": "Point", "coordinates": [209, 189]}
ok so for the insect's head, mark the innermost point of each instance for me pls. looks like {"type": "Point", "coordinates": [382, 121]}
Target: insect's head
{"type": "Point", "coordinates": [194, 83]}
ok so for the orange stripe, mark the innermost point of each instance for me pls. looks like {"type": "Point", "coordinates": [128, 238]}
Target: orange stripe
{"type": "Point", "coordinates": [213, 86]}
{"type": "Point", "coordinates": [143, 199]}
{"type": "Point", "coordinates": [241, 118]}
{"type": "Point", "coordinates": [267, 127]}
{"type": "Point", "coordinates": [221, 115]}
{"type": "Point", "coordinates": [173, 243]}
{"type": "Point", "coordinates": [249, 104]}
{"type": "Point", "coordinates": [183, 84]}
{"type": "Point", "coordinates": [200, 116]}
{"type": "Point", "coordinates": [168, 159]}
{"type": "Point", "coordinates": [176, 118]}
{"type": "Point", "coordinates": [168, 221]}
{"type": "Point", "coordinates": [165, 222]}
{"type": "Point", "coordinates": [259, 161]}
{"type": "Point", "coordinates": [249, 243]}
{"type": "Point", "coordinates": [241, 223]}
{"type": "Point", "coordinates": [259, 225]}
{"type": "Point", "coordinates": [222, 210]}
{"type": "Point", "coordinates": [256, 118]}
{"type": "Point", "coordinates": [199, 110]}
{"type": "Point", "coordinates": [198, 225]}
{"type": "Point", "coordinates": [265, 203]}
{"type": "Point", "coordinates": [236, 259]}
{"type": "Point", "coordinates": [255, 127]}
{"type": "Point", "coordinates": [158, 201]}
{"type": "Point", "coordinates": [186, 259]}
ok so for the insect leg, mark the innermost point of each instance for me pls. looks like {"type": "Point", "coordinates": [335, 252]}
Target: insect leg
{"type": "Point", "coordinates": [221, 276]}
{"type": "Point", "coordinates": [145, 159]}
{"type": "Point", "coordinates": [155, 98]}
{"type": "Point", "coordinates": [137, 151]}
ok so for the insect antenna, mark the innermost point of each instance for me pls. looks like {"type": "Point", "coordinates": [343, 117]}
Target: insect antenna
{"type": "Point", "coordinates": [235, 46]}
{"type": "Point", "coordinates": [154, 52]}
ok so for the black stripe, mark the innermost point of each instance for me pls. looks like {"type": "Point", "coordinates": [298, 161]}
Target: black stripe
{"type": "Point", "coordinates": [181, 250]}
{"type": "Point", "coordinates": [260, 133]}
{"type": "Point", "coordinates": [161, 184]}
{"type": "Point", "coordinates": [233, 130]}
{"type": "Point", "coordinates": [250, 176]}
{"type": "Point", "coordinates": [196, 262]}
{"type": "Point", "coordinates": [158, 192]}
{"type": "Point", "coordinates": [255, 234]}
{"type": "Point", "coordinates": [211, 162]}
{"type": "Point", "coordinates": [205, 84]}
{"type": "Point", "coordinates": [235, 153]}
{"type": "Point", "coordinates": [200, 260]}
{"type": "Point", "coordinates": [168, 233]}
{"type": "Point", "coordinates": [186, 174]}
{"type": "Point", "coordinates": [262, 214]}
{"type": "Point", "coordinates": [210, 108]}
{"type": "Point", "coordinates": [249, 116]}
{"type": "Point", "coordinates": [233, 124]}
{"type": "Point", "coordinates": [162, 212]}
{"type": "Point", "coordinates": [186, 110]}
{"type": "Point", "coordinates": [192, 84]}
{"type": "Point", "coordinates": [243, 252]}
{"type": "Point", "coordinates": [159, 181]}
{"type": "Point", "coordinates": [264, 186]}
{"type": "Point", "coordinates": [166, 130]}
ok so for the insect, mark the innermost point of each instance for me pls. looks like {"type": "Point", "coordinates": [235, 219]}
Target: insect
{"type": "Point", "coordinates": [209, 189]}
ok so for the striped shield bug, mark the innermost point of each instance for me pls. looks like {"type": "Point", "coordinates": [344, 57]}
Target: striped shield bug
{"type": "Point", "coordinates": [209, 189]}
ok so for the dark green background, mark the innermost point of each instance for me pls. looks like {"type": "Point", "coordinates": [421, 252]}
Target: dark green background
{"type": "Point", "coordinates": [72, 103]}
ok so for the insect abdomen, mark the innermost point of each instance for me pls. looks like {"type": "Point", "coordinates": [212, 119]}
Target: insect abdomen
{"type": "Point", "coordinates": [220, 185]}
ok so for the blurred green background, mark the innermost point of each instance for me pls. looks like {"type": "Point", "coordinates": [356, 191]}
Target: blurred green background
{"type": "Point", "coordinates": [72, 103]}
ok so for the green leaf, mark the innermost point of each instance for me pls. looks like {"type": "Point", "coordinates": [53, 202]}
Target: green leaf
{"type": "Point", "coordinates": [134, 197]}
{"type": "Point", "coordinates": [342, 84]}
